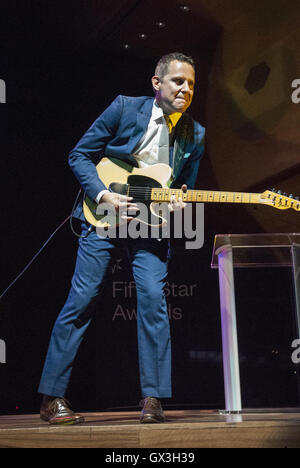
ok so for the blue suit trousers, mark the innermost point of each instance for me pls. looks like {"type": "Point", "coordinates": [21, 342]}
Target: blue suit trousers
{"type": "Point", "coordinates": [149, 266]}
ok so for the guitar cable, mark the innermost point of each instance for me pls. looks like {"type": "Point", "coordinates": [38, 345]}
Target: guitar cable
{"type": "Point", "coordinates": [69, 218]}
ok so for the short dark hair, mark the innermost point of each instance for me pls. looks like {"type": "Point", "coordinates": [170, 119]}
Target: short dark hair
{"type": "Point", "coordinates": [162, 66]}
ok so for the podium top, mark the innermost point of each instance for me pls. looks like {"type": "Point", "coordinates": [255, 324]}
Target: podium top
{"type": "Point", "coordinates": [256, 250]}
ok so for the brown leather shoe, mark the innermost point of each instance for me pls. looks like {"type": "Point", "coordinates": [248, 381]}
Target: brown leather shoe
{"type": "Point", "coordinates": [57, 411]}
{"type": "Point", "coordinates": [152, 411]}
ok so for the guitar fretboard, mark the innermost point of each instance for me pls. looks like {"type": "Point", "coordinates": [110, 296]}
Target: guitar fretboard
{"type": "Point", "coordinates": [164, 195]}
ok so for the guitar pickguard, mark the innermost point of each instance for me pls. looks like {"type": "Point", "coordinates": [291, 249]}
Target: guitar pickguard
{"type": "Point", "coordinates": [136, 183]}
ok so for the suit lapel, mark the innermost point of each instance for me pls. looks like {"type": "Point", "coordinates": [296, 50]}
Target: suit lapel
{"type": "Point", "coordinates": [142, 121]}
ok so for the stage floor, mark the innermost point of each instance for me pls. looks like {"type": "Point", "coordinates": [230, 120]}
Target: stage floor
{"type": "Point", "coordinates": [271, 428]}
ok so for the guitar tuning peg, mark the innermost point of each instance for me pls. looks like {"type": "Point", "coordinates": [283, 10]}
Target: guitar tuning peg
{"type": "Point", "coordinates": [273, 190]}
{"type": "Point", "coordinates": [297, 198]}
{"type": "Point", "coordinates": [291, 196]}
{"type": "Point", "coordinates": [285, 194]}
{"type": "Point", "coordinates": [279, 192]}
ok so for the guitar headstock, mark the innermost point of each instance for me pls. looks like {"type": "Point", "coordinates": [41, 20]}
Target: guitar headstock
{"type": "Point", "coordinates": [280, 200]}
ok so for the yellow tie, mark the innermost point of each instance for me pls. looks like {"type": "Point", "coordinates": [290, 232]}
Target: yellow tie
{"type": "Point", "coordinates": [169, 123]}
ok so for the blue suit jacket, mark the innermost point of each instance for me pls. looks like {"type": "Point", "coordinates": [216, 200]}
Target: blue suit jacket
{"type": "Point", "coordinates": [117, 132]}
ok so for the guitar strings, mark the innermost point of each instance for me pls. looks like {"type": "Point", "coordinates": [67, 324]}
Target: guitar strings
{"type": "Point", "coordinates": [144, 193]}
{"type": "Point", "coordinates": [149, 189]}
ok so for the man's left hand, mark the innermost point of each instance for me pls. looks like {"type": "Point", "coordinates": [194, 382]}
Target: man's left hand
{"type": "Point", "coordinates": [176, 205]}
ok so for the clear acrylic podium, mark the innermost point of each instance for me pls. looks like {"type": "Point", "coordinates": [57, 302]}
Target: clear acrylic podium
{"type": "Point", "coordinates": [248, 251]}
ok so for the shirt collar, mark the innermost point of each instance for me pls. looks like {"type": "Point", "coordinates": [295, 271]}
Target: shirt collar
{"type": "Point", "coordinates": [157, 113]}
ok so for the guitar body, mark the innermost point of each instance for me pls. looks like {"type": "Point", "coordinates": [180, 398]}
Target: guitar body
{"type": "Point", "coordinates": [116, 175]}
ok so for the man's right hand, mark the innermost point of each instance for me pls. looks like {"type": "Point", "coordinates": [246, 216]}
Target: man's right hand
{"type": "Point", "coordinates": [121, 203]}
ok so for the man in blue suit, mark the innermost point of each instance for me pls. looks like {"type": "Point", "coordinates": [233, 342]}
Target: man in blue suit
{"type": "Point", "coordinates": [130, 129]}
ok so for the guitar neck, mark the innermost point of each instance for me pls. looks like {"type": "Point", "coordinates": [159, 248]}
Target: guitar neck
{"type": "Point", "coordinates": [204, 196]}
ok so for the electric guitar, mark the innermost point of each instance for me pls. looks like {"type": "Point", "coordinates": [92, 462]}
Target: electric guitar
{"type": "Point", "coordinates": [149, 186]}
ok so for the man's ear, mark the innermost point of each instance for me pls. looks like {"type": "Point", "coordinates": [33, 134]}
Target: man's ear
{"type": "Point", "coordinates": [156, 83]}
